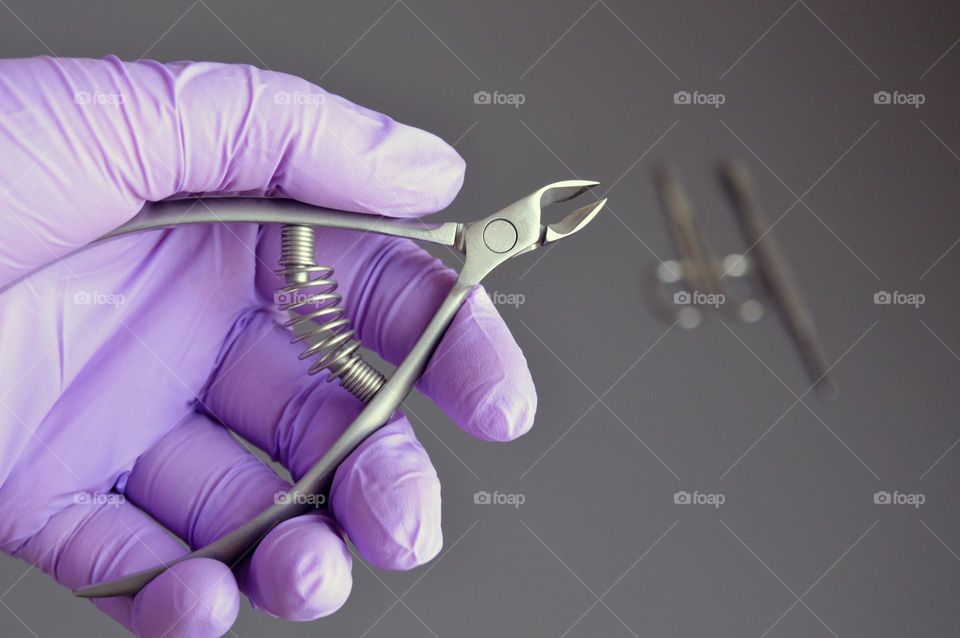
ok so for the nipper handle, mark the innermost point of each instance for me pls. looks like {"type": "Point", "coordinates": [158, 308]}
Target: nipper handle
{"type": "Point", "coordinates": [264, 210]}
{"type": "Point", "coordinates": [233, 547]}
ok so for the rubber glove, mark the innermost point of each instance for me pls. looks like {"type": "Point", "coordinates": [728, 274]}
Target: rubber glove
{"type": "Point", "coordinates": [126, 366]}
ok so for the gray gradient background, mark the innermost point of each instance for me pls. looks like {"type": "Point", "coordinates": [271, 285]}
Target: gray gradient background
{"type": "Point", "coordinates": [631, 412]}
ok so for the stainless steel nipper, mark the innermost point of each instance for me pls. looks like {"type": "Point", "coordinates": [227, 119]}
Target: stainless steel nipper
{"type": "Point", "coordinates": [310, 298]}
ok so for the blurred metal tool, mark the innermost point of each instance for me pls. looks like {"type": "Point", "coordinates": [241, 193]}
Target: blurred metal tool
{"type": "Point", "coordinates": [699, 280]}
{"type": "Point", "coordinates": [777, 276]}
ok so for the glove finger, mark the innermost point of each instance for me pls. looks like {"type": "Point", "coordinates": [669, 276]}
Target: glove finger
{"type": "Point", "coordinates": [386, 495]}
{"type": "Point", "coordinates": [92, 542]}
{"type": "Point", "coordinates": [135, 131]}
{"type": "Point", "coordinates": [300, 570]}
{"type": "Point", "coordinates": [201, 484]}
{"type": "Point", "coordinates": [391, 288]}
{"type": "Point", "coordinates": [192, 599]}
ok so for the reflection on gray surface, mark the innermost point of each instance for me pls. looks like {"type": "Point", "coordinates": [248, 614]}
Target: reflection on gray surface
{"type": "Point", "coordinates": [641, 429]}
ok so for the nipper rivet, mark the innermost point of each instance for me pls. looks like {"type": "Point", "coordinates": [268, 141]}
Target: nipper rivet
{"type": "Point", "coordinates": [500, 236]}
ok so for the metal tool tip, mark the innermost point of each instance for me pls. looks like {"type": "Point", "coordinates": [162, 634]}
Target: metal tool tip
{"type": "Point", "coordinates": [573, 222]}
{"type": "Point", "coordinates": [87, 592]}
{"type": "Point", "coordinates": [564, 191]}
{"type": "Point", "coordinates": [124, 586]}
{"type": "Point", "coordinates": [827, 389]}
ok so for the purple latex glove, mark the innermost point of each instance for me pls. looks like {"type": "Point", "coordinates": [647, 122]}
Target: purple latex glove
{"type": "Point", "coordinates": [124, 365]}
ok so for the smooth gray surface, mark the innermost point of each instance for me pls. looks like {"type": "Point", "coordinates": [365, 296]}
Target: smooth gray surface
{"type": "Point", "coordinates": [629, 414]}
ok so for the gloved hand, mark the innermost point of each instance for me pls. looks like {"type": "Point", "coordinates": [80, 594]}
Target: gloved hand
{"type": "Point", "coordinates": [125, 365]}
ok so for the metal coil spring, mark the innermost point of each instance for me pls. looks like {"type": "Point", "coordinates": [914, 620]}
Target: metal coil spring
{"type": "Point", "coordinates": [316, 316]}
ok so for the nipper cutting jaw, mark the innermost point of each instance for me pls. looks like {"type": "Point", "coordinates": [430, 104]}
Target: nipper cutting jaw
{"type": "Point", "coordinates": [517, 229]}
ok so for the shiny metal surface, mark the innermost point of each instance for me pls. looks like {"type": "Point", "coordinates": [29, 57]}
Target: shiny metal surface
{"type": "Point", "coordinates": [524, 216]}
{"type": "Point", "coordinates": [310, 298]}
